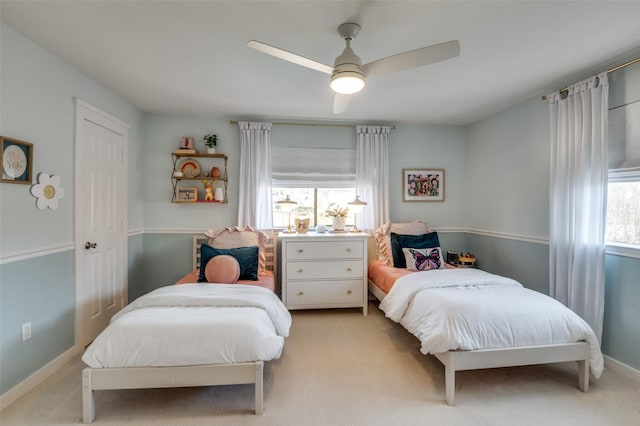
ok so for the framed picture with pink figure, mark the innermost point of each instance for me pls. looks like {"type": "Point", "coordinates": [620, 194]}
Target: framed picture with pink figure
{"type": "Point", "coordinates": [422, 184]}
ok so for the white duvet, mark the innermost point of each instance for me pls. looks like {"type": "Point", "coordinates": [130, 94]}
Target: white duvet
{"type": "Point", "coordinates": [468, 309]}
{"type": "Point", "coordinates": [193, 324]}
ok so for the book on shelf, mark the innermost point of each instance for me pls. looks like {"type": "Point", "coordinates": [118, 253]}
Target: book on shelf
{"type": "Point", "coordinates": [185, 151]}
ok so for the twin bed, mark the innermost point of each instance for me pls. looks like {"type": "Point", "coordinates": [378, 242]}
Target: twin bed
{"type": "Point", "coordinates": [470, 319]}
{"type": "Point", "coordinates": [193, 334]}
{"type": "Point", "coordinates": [202, 335]}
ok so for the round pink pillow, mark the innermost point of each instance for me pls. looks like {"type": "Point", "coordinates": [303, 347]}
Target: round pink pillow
{"type": "Point", "coordinates": [222, 269]}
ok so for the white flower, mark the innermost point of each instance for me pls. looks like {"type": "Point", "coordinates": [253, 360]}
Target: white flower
{"type": "Point", "coordinates": [48, 191]}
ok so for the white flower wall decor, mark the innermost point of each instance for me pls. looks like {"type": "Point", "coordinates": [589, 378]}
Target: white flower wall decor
{"type": "Point", "coordinates": [48, 191]}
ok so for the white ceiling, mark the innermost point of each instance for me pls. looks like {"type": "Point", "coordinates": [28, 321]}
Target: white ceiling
{"type": "Point", "coordinates": [190, 57]}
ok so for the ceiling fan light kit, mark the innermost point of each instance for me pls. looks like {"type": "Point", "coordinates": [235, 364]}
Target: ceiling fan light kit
{"type": "Point", "coordinates": [348, 75]}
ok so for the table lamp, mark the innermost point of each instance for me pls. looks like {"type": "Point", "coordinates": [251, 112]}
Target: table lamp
{"type": "Point", "coordinates": [356, 206]}
{"type": "Point", "coordinates": [287, 205]}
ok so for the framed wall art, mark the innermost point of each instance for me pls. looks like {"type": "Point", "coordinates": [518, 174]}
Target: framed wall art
{"type": "Point", "coordinates": [422, 184]}
{"type": "Point", "coordinates": [17, 161]}
{"type": "Point", "coordinates": [186, 195]}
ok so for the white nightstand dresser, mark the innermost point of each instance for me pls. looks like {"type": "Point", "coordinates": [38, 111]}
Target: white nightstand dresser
{"type": "Point", "coordinates": [324, 270]}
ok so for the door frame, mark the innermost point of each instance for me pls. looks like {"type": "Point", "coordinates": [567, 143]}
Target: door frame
{"type": "Point", "coordinates": [85, 111]}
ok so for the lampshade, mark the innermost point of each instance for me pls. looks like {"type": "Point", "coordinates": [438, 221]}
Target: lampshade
{"type": "Point", "coordinates": [287, 204]}
{"type": "Point", "coordinates": [357, 205]}
{"type": "Point", "coordinates": [347, 82]}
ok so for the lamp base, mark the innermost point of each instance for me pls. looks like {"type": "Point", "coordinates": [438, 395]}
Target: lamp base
{"type": "Point", "coordinates": [289, 231]}
{"type": "Point", "coordinates": [355, 230]}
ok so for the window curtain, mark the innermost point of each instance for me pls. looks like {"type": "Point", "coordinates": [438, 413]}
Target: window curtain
{"type": "Point", "coordinates": [579, 156]}
{"type": "Point", "coordinates": [254, 192]}
{"type": "Point", "coordinates": [372, 175]}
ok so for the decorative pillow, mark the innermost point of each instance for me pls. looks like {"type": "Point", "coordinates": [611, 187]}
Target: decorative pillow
{"type": "Point", "coordinates": [235, 237]}
{"type": "Point", "coordinates": [247, 258]}
{"type": "Point", "coordinates": [383, 236]}
{"type": "Point", "coordinates": [223, 269]}
{"type": "Point", "coordinates": [423, 259]}
{"type": "Point", "coordinates": [400, 241]}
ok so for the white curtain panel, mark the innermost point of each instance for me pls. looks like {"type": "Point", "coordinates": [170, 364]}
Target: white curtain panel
{"type": "Point", "coordinates": [579, 157]}
{"type": "Point", "coordinates": [254, 192]}
{"type": "Point", "coordinates": [372, 175]}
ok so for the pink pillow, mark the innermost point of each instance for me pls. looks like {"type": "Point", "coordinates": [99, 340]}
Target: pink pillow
{"type": "Point", "coordinates": [223, 269]}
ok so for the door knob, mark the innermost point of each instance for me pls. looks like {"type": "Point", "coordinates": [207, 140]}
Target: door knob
{"type": "Point", "coordinates": [89, 245]}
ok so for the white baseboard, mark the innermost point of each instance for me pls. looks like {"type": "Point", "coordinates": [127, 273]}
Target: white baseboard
{"type": "Point", "coordinates": [10, 396]}
{"type": "Point", "coordinates": [622, 369]}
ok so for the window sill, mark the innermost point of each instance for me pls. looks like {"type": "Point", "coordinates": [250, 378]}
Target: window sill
{"type": "Point", "coordinates": [620, 249]}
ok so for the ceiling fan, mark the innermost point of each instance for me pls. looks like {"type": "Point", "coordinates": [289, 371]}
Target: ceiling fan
{"type": "Point", "coordinates": [348, 74]}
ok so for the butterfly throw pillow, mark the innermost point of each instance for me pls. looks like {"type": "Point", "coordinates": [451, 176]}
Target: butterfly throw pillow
{"type": "Point", "coordinates": [423, 259]}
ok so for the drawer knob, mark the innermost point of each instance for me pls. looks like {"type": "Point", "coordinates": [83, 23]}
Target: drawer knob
{"type": "Point", "coordinates": [348, 291]}
{"type": "Point", "coordinates": [300, 270]}
{"type": "Point", "coordinates": [348, 269]}
{"type": "Point", "coordinates": [301, 293]}
{"type": "Point", "coordinates": [300, 251]}
{"type": "Point", "coordinates": [348, 250]}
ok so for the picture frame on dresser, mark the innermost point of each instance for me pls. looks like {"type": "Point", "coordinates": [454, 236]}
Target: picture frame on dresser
{"type": "Point", "coordinates": [423, 184]}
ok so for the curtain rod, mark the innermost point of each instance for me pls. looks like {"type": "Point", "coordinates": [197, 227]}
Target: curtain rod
{"type": "Point", "coordinates": [313, 124]}
{"type": "Point", "coordinates": [614, 69]}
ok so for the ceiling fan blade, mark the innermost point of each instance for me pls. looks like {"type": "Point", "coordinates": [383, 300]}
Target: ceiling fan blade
{"type": "Point", "coordinates": [412, 59]}
{"type": "Point", "coordinates": [341, 103]}
{"type": "Point", "coordinates": [288, 56]}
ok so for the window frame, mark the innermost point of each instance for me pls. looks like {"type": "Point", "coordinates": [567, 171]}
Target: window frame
{"type": "Point", "coordinates": [618, 248]}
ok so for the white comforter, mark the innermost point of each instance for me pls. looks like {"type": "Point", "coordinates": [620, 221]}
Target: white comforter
{"type": "Point", "coordinates": [468, 309]}
{"type": "Point", "coordinates": [194, 324]}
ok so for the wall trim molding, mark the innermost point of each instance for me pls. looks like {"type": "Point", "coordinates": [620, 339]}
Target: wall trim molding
{"type": "Point", "coordinates": [175, 231]}
{"type": "Point", "coordinates": [134, 232]}
{"type": "Point", "coordinates": [33, 253]}
{"type": "Point", "coordinates": [622, 368]}
{"type": "Point", "coordinates": [509, 236]}
{"type": "Point", "coordinates": [624, 251]}
{"type": "Point", "coordinates": [35, 379]}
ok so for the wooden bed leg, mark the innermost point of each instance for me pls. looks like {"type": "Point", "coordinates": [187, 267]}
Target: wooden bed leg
{"type": "Point", "coordinates": [88, 398]}
{"type": "Point", "coordinates": [583, 375]}
{"type": "Point", "coordinates": [259, 387]}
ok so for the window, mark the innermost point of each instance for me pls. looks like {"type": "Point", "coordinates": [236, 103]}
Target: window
{"type": "Point", "coordinates": [312, 203]}
{"type": "Point", "coordinates": [315, 178]}
{"type": "Point", "coordinates": [623, 199]}
{"type": "Point", "coordinates": [623, 207]}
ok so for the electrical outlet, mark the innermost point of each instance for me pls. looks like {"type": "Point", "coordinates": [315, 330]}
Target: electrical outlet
{"type": "Point", "coordinates": [26, 331]}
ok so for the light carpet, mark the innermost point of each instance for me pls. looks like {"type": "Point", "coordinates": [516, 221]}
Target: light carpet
{"type": "Point", "coordinates": [341, 368]}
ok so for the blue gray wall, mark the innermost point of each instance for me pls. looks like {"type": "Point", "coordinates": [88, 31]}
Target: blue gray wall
{"type": "Point", "coordinates": [37, 270]}
{"type": "Point", "coordinates": [508, 214]}
{"type": "Point", "coordinates": [496, 203]}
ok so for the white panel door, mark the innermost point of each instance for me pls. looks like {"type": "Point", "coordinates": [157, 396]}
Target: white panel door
{"type": "Point", "coordinates": [101, 235]}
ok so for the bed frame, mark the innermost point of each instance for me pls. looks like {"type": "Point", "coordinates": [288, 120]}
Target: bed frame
{"type": "Point", "coordinates": [168, 377]}
{"type": "Point", "coordinates": [94, 379]}
{"type": "Point", "coordinates": [507, 357]}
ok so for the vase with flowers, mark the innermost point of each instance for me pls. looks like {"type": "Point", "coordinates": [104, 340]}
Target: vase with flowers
{"type": "Point", "coordinates": [338, 215]}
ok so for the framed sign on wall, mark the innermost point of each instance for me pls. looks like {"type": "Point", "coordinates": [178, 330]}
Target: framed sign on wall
{"type": "Point", "coordinates": [17, 161]}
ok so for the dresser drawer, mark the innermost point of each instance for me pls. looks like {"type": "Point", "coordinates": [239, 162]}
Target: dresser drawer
{"type": "Point", "coordinates": [325, 250]}
{"type": "Point", "coordinates": [325, 269]}
{"type": "Point", "coordinates": [343, 292]}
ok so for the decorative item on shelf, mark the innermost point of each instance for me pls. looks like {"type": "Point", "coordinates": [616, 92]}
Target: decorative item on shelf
{"type": "Point", "coordinates": [452, 257]}
{"type": "Point", "coordinates": [211, 141]}
{"type": "Point", "coordinates": [215, 172]}
{"type": "Point", "coordinates": [219, 195]}
{"type": "Point", "coordinates": [302, 225]}
{"type": "Point", "coordinates": [186, 195]}
{"type": "Point", "coordinates": [339, 216]}
{"type": "Point", "coordinates": [187, 143]}
{"type": "Point", "coordinates": [321, 229]}
{"type": "Point", "coordinates": [287, 205]}
{"type": "Point", "coordinates": [208, 189]}
{"type": "Point", "coordinates": [47, 191]}
{"type": "Point", "coordinates": [190, 168]}
{"type": "Point", "coordinates": [357, 206]}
